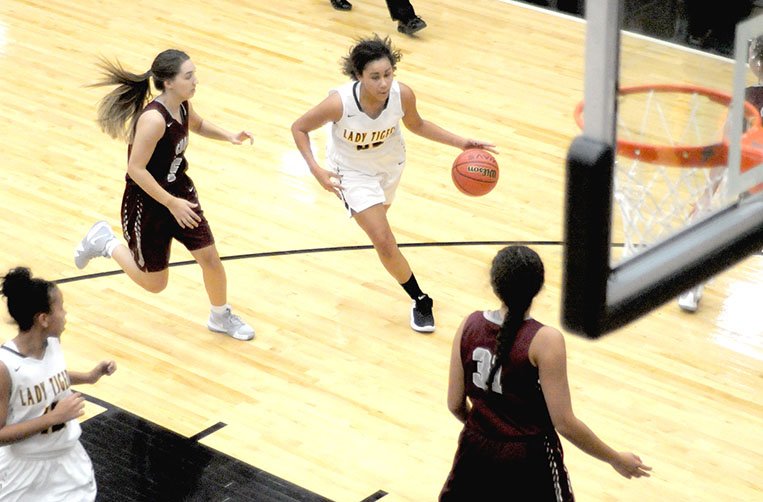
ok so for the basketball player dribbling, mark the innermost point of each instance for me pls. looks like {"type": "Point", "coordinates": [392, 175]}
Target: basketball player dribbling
{"type": "Point", "coordinates": [160, 202]}
{"type": "Point", "coordinates": [41, 457]}
{"type": "Point", "coordinates": [366, 153]}
{"type": "Point", "coordinates": [508, 386]}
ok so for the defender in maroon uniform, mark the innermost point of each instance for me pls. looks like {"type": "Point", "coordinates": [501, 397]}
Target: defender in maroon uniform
{"type": "Point", "coordinates": [160, 202]}
{"type": "Point", "coordinates": [513, 371]}
{"type": "Point", "coordinates": [147, 225]}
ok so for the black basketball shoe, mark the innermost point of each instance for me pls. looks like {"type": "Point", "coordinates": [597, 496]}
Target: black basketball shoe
{"type": "Point", "coordinates": [411, 26]}
{"type": "Point", "coordinates": [422, 319]}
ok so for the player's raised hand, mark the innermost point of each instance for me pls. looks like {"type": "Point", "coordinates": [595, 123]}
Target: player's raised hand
{"type": "Point", "coordinates": [103, 368]}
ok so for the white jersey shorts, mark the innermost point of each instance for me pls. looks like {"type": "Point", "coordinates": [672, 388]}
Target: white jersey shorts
{"type": "Point", "coordinates": [363, 190]}
{"type": "Point", "coordinates": [64, 477]}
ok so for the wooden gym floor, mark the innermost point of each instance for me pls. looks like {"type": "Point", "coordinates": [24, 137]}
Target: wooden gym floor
{"type": "Point", "coordinates": [336, 394]}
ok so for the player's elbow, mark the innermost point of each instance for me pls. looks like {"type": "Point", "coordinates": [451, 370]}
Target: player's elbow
{"type": "Point", "coordinates": [457, 405]}
{"type": "Point", "coordinates": [297, 134]}
{"type": "Point", "coordinates": [134, 170]}
{"type": "Point", "coordinates": [416, 127]}
{"type": "Point", "coordinates": [453, 407]}
{"type": "Point", "coordinates": [566, 425]}
{"type": "Point", "coordinates": [296, 128]}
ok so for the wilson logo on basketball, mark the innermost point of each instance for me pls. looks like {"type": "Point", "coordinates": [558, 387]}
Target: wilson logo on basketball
{"type": "Point", "coordinates": [490, 173]}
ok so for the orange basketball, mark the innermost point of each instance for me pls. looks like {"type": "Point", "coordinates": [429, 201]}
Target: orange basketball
{"type": "Point", "coordinates": [475, 172]}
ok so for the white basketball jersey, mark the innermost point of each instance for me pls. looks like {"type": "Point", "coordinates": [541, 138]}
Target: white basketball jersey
{"type": "Point", "coordinates": [361, 143]}
{"type": "Point", "coordinates": [36, 387]}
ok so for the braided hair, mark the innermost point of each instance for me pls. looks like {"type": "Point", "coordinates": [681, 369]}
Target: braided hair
{"type": "Point", "coordinates": [26, 296]}
{"type": "Point", "coordinates": [516, 275]}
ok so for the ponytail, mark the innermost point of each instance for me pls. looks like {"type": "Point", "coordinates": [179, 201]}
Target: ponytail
{"type": "Point", "coordinates": [118, 111]}
{"type": "Point", "coordinates": [506, 337]}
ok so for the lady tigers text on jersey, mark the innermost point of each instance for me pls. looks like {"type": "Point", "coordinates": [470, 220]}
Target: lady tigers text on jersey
{"type": "Point", "coordinates": [37, 386]}
{"type": "Point", "coordinates": [368, 139]}
{"type": "Point", "coordinates": [37, 393]}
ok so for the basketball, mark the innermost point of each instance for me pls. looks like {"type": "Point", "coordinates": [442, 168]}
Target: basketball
{"type": "Point", "coordinates": [475, 172]}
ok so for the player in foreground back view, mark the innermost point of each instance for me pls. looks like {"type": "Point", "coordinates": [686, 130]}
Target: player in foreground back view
{"type": "Point", "coordinates": [508, 385]}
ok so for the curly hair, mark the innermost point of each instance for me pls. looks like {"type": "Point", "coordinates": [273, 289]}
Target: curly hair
{"type": "Point", "coordinates": [367, 50]}
{"type": "Point", "coordinates": [26, 296]}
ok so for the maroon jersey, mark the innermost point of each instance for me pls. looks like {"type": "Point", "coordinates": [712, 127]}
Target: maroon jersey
{"type": "Point", "coordinates": [754, 95]}
{"type": "Point", "coordinates": [514, 407]}
{"type": "Point", "coordinates": [148, 226]}
{"type": "Point", "coordinates": [508, 445]}
{"type": "Point", "coordinates": [168, 162]}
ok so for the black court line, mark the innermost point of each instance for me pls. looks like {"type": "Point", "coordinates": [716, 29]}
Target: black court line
{"type": "Point", "coordinates": [287, 252]}
{"type": "Point", "coordinates": [375, 496]}
{"type": "Point", "coordinates": [99, 402]}
{"type": "Point", "coordinates": [206, 432]}
{"type": "Point", "coordinates": [267, 254]}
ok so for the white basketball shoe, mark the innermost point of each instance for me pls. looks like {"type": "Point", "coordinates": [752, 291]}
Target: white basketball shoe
{"type": "Point", "coordinates": [231, 325]}
{"type": "Point", "coordinates": [689, 300]}
{"type": "Point", "coordinates": [94, 244]}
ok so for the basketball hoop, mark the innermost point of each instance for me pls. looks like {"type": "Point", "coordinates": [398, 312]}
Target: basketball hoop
{"type": "Point", "coordinates": [672, 154]}
{"type": "Point", "coordinates": [637, 144]}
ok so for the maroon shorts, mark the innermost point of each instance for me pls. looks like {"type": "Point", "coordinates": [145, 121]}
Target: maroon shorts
{"type": "Point", "coordinates": [527, 469]}
{"type": "Point", "coordinates": [149, 227]}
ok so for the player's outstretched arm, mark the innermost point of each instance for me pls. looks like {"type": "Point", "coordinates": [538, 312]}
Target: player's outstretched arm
{"type": "Point", "coordinates": [548, 353]}
{"type": "Point", "coordinates": [429, 130]}
{"type": "Point", "coordinates": [209, 130]}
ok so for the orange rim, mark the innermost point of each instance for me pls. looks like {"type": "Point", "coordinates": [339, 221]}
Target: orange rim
{"type": "Point", "coordinates": [712, 155]}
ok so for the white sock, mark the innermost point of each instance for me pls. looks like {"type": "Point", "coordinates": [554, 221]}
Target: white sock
{"type": "Point", "coordinates": [111, 246]}
{"type": "Point", "coordinates": [219, 310]}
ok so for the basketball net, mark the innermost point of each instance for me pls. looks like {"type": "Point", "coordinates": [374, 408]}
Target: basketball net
{"type": "Point", "coordinates": [670, 166]}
